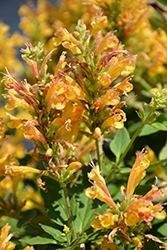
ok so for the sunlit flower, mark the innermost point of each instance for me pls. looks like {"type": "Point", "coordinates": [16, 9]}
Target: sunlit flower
{"type": "Point", "coordinates": [15, 170]}
{"type": "Point", "coordinates": [134, 209]}
{"type": "Point", "coordinates": [99, 189]}
{"type": "Point", "coordinates": [137, 173]}
{"type": "Point", "coordinates": [5, 243]}
{"type": "Point", "coordinates": [102, 61]}
{"type": "Point", "coordinates": [97, 133]}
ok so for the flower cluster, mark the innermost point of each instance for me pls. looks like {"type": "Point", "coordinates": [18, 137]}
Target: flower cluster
{"type": "Point", "coordinates": [129, 18]}
{"type": "Point", "coordinates": [127, 219]}
{"type": "Point", "coordinates": [57, 104]}
{"type": "Point", "coordinates": [104, 67]}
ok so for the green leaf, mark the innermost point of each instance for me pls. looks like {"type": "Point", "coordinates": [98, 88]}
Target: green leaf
{"type": "Point", "coordinates": [55, 202]}
{"type": "Point", "coordinates": [26, 217]}
{"type": "Point", "coordinates": [97, 235]}
{"type": "Point", "coordinates": [159, 126]}
{"type": "Point", "coordinates": [39, 240]}
{"type": "Point", "coordinates": [85, 214]}
{"type": "Point", "coordinates": [120, 142]}
{"type": "Point", "coordinates": [162, 154]}
{"type": "Point", "coordinates": [2, 177]}
{"type": "Point", "coordinates": [148, 130]}
{"type": "Point", "coordinates": [163, 229]}
{"type": "Point", "coordinates": [151, 245]}
{"type": "Point", "coordinates": [57, 235]}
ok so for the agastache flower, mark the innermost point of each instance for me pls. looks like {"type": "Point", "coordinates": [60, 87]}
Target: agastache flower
{"type": "Point", "coordinates": [5, 243]}
{"type": "Point", "coordinates": [134, 209]}
{"type": "Point", "coordinates": [101, 60]}
{"type": "Point", "coordinates": [137, 173]}
{"type": "Point", "coordinates": [99, 189]}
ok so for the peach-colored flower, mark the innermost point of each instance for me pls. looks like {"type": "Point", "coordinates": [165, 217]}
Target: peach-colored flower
{"type": "Point", "coordinates": [97, 133]}
{"type": "Point", "coordinates": [137, 173]}
{"type": "Point", "coordinates": [99, 190]}
{"type": "Point", "coordinates": [5, 243]}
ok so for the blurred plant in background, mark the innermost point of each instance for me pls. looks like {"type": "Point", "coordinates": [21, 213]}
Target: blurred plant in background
{"type": "Point", "coordinates": [74, 110]}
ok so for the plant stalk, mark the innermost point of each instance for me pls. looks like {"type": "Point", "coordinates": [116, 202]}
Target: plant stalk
{"type": "Point", "coordinates": [98, 154]}
{"type": "Point", "coordinates": [134, 138]}
{"type": "Point", "coordinates": [71, 218]}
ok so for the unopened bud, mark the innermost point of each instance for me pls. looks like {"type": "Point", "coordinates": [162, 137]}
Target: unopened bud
{"type": "Point", "coordinates": [97, 133]}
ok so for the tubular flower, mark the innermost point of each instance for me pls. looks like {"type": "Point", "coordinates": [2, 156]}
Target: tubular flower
{"type": "Point", "coordinates": [5, 243]}
{"type": "Point", "coordinates": [69, 122]}
{"type": "Point", "coordinates": [55, 108]}
{"type": "Point", "coordinates": [20, 95]}
{"type": "Point", "coordinates": [137, 173]}
{"type": "Point", "coordinates": [100, 189]}
{"type": "Point", "coordinates": [15, 170]}
{"type": "Point", "coordinates": [101, 60]}
{"type": "Point", "coordinates": [126, 219]}
{"type": "Point", "coordinates": [143, 209]}
{"type": "Point", "coordinates": [61, 90]}
{"type": "Point", "coordinates": [129, 18]}
{"type": "Point", "coordinates": [97, 133]}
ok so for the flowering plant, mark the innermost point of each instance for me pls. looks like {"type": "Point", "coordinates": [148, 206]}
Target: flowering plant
{"type": "Point", "coordinates": [74, 112]}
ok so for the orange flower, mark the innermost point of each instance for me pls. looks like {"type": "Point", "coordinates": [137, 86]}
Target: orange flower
{"type": "Point", "coordinates": [126, 217]}
{"type": "Point", "coordinates": [97, 133]}
{"type": "Point", "coordinates": [5, 244]}
{"type": "Point", "coordinates": [104, 221]}
{"type": "Point", "coordinates": [31, 132]}
{"type": "Point", "coordinates": [137, 173]}
{"type": "Point", "coordinates": [143, 209]}
{"type": "Point", "coordinates": [69, 122]}
{"type": "Point", "coordinates": [73, 166]}
{"type": "Point", "coordinates": [99, 189]}
{"type": "Point", "coordinates": [15, 170]}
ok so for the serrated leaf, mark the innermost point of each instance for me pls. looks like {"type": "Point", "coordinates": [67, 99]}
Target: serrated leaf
{"type": "Point", "coordinates": [163, 229]}
{"type": "Point", "coordinates": [159, 126]}
{"type": "Point", "coordinates": [39, 240]}
{"type": "Point", "coordinates": [148, 130]}
{"type": "Point", "coordinates": [57, 235]}
{"type": "Point", "coordinates": [120, 142]}
{"type": "Point", "coordinates": [55, 202]}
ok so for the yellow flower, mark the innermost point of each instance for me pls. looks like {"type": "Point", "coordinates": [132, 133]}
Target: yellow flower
{"type": "Point", "coordinates": [143, 209]}
{"type": "Point", "coordinates": [99, 189]}
{"type": "Point", "coordinates": [15, 101]}
{"type": "Point", "coordinates": [137, 173]}
{"type": "Point", "coordinates": [126, 217]}
{"type": "Point", "coordinates": [73, 166]}
{"type": "Point", "coordinates": [5, 243]}
{"type": "Point", "coordinates": [15, 170]}
{"type": "Point", "coordinates": [137, 242]}
{"type": "Point", "coordinates": [97, 133]}
{"type": "Point", "coordinates": [69, 122]}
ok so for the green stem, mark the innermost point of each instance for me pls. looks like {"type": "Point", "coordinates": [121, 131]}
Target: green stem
{"type": "Point", "coordinates": [71, 218]}
{"type": "Point", "coordinates": [98, 154]}
{"type": "Point", "coordinates": [152, 165]}
{"type": "Point", "coordinates": [134, 137]}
